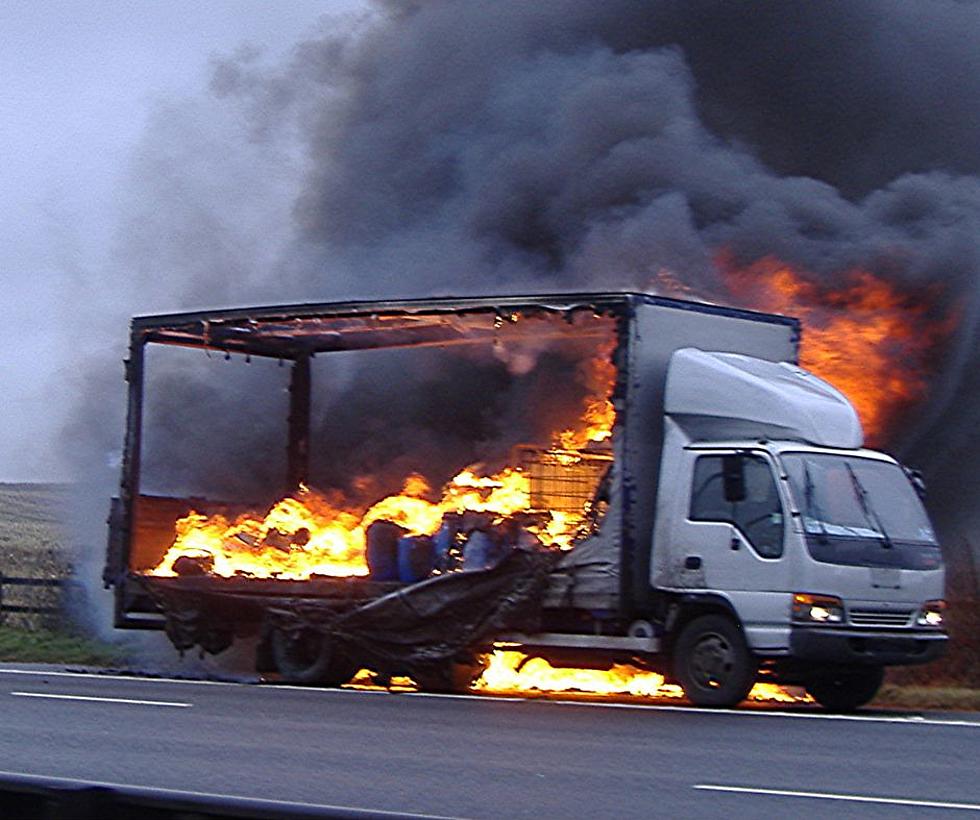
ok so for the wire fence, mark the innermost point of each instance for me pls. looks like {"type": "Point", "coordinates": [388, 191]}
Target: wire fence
{"type": "Point", "coordinates": [35, 602]}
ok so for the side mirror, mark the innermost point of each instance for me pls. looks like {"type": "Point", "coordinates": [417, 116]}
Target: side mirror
{"type": "Point", "coordinates": [733, 477]}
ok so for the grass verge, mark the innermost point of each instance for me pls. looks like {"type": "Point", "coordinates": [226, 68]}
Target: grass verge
{"type": "Point", "coordinates": [46, 646]}
{"type": "Point", "coordinates": [953, 698]}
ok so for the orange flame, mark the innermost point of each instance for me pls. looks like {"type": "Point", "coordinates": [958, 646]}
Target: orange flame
{"type": "Point", "coordinates": [868, 338]}
{"type": "Point", "coordinates": [599, 414]}
{"type": "Point", "coordinates": [305, 535]}
{"type": "Point", "coordinates": [508, 671]}
{"type": "Point", "coordinates": [309, 534]}
{"type": "Point", "coordinates": [512, 671]}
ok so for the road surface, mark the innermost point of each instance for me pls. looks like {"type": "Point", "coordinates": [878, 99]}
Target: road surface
{"type": "Point", "coordinates": [463, 756]}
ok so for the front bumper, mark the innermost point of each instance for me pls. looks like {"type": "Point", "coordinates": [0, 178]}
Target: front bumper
{"type": "Point", "coordinates": [863, 646]}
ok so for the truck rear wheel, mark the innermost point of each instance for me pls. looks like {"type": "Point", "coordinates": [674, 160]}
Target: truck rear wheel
{"type": "Point", "coordinates": [845, 690]}
{"type": "Point", "coordinates": [309, 657]}
{"type": "Point", "coordinates": [713, 663]}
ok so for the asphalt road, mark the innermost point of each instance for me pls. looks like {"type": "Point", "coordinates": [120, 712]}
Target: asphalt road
{"type": "Point", "coordinates": [483, 757]}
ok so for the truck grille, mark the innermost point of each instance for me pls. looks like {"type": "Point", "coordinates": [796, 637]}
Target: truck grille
{"type": "Point", "coordinates": [873, 617]}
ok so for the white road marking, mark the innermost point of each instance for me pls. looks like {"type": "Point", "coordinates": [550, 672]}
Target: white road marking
{"type": "Point", "coordinates": [53, 696]}
{"type": "Point", "coordinates": [914, 720]}
{"type": "Point", "coordinates": [258, 802]}
{"type": "Point", "coordinates": [44, 673]}
{"type": "Point", "coordinates": [850, 798]}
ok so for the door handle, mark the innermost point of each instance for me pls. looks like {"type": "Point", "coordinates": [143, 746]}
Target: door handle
{"type": "Point", "coordinates": [736, 542]}
{"type": "Point", "coordinates": [692, 562]}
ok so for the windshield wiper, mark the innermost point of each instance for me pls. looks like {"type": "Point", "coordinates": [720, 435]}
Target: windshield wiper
{"type": "Point", "coordinates": [811, 503]}
{"type": "Point", "coordinates": [866, 506]}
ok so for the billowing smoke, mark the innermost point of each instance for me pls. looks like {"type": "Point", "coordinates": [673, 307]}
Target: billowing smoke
{"type": "Point", "coordinates": [446, 147]}
{"type": "Point", "coordinates": [216, 427]}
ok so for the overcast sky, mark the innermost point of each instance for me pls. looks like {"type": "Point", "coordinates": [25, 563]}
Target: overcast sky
{"type": "Point", "coordinates": [78, 81]}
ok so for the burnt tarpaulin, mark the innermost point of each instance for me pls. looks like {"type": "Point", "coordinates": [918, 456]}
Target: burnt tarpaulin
{"type": "Point", "coordinates": [195, 618]}
{"type": "Point", "coordinates": [411, 629]}
{"type": "Point", "coordinates": [430, 623]}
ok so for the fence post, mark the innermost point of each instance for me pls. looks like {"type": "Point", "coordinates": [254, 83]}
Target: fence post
{"type": "Point", "coordinates": [2, 613]}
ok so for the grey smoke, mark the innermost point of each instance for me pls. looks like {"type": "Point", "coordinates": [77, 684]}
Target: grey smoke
{"type": "Point", "coordinates": [434, 412]}
{"type": "Point", "coordinates": [215, 427]}
{"type": "Point", "coordinates": [454, 147]}
{"type": "Point", "coordinates": [462, 147]}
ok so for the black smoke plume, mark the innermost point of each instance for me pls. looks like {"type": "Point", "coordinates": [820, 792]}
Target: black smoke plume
{"type": "Point", "coordinates": [433, 147]}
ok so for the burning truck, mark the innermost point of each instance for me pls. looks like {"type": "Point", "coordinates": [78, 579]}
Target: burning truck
{"type": "Point", "coordinates": [597, 479]}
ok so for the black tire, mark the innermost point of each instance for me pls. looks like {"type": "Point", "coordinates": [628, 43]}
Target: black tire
{"type": "Point", "coordinates": [712, 662]}
{"type": "Point", "coordinates": [447, 678]}
{"type": "Point", "coordinates": [308, 657]}
{"type": "Point", "coordinates": [844, 690]}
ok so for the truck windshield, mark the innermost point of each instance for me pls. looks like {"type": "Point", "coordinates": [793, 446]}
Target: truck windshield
{"type": "Point", "coordinates": [860, 511]}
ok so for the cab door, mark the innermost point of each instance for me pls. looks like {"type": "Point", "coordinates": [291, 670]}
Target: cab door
{"type": "Point", "coordinates": [735, 531]}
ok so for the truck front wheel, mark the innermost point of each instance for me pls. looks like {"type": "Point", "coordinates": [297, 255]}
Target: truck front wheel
{"type": "Point", "coordinates": [844, 690]}
{"type": "Point", "coordinates": [713, 663]}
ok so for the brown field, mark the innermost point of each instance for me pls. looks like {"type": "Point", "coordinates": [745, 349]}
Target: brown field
{"type": "Point", "coordinates": [32, 545]}
{"type": "Point", "coordinates": [32, 541]}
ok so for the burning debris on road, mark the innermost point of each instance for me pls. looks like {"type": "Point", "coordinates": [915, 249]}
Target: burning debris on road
{"type": "Point", "coordinates": [508, 671]}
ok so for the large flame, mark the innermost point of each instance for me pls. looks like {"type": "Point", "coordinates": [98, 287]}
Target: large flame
{"type": "Point", "coordinates": [305, 535]}
{"type": "Point", "coordinates": [298, 537]}
{"type": "Point", "coordinates": [311, 534]}
{"type": "Point", "coordinates": [870, 339]}
{"type": "Point", "coordinates": [599, 415]}
{"type": "Point", "coordinates": [509, 671]}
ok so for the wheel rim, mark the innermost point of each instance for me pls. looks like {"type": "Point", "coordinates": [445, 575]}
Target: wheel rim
{"type": "Point", "coordinates": [302, 651]}
{"type": "Point", "coordinates": [712, 661]}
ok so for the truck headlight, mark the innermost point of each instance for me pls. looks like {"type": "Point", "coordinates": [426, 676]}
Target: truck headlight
{"type": "Point", "coordinates": [932, 614]}
{"type": "Point", "coordinates": [817, 609]}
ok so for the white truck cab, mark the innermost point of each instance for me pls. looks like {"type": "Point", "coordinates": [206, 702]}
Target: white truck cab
{"type": "Point", "coordinates": [820, 549]}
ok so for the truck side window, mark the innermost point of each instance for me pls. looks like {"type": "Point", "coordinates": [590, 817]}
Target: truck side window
{"type": "Point", "coordinates": [759, 515]}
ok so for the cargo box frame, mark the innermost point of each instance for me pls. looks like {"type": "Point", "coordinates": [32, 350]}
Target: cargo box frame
{"type": "Point", "coordinates": [297, 333]}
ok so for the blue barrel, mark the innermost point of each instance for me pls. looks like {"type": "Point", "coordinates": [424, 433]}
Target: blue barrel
{"type": "Point", "coordinates": [416, 558]}
{"type": "Point", "coordinates": [382, 550]}
{"type": "Point", "coordinates": [481, 551]}
{"type": "Point", "coordinates": [444, 543]}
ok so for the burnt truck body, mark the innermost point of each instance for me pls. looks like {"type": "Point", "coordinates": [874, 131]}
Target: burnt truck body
{"type": "Point", "coordinates": [728, 523]}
